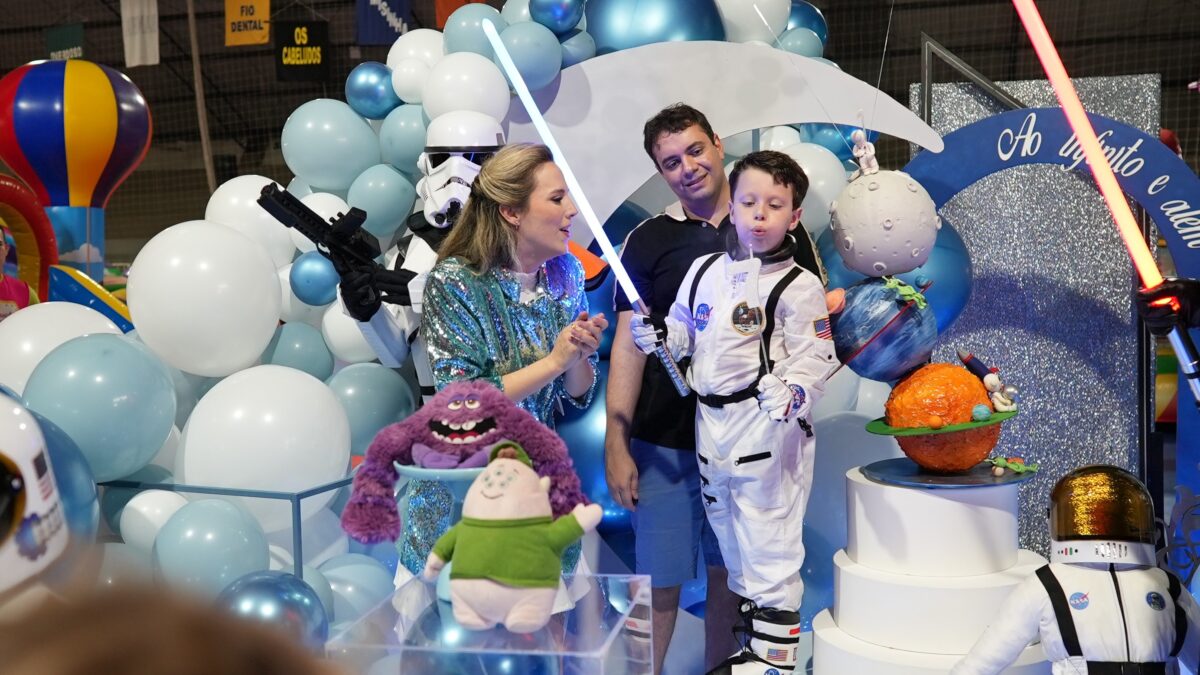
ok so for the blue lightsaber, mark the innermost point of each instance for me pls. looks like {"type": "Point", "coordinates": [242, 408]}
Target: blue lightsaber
{"type": "Point", "coordinates": [585, 207]}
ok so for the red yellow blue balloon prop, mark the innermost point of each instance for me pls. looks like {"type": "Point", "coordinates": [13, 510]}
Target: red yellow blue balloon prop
{"type": "Point", "coordinates": [73, 131]}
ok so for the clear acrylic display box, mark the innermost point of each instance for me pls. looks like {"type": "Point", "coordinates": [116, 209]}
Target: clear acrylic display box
{"type": "Point", "coordinates": [414, 632]}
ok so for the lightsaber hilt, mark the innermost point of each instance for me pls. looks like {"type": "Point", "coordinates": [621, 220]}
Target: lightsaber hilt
{"type": "Point", "coordinates": [1189, 362]}
{"type": "Point", "coordinates": [664, 356]}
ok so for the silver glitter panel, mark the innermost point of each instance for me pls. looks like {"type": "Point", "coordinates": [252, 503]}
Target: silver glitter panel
{"type": "Point", "coordinates": [1051, 304]}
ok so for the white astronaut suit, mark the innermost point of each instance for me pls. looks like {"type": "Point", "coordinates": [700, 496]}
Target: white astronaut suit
{"type": "Point", "coordinates": [1100, 607]}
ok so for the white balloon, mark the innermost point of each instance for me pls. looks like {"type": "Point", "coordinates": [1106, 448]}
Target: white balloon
{"type": "Point", "coordinates": [28, 335]}
{"type": "Point", "coordinates": [466, 81]}
{"type": "Point", "coordinates": [321, 538]}
{"type": "Point", "coordinates": [516, 11]}
{"type": "Point", "coordinates": [268, 428]}
{"type": "Point", "coordinates": [841, 392]}
{"type": "Point", "coordinates": [409, 78]}
{"type": "Point", "coordinates": [343, 335]}
{"type": "Point", "coordinates": [872, 396]}
{"type": "Point", "coordinates": [145, 514]}
{"type": "Point", "coordinates": [168, 452]}
{"type": "Point", "coordinates": [826, 179]}
{"type": "Point", "coordinates": [293, 308]}
{"type": "Point", "coordinates": [204, 297]}
{"type": "Point", "coordinates": [423, 43]}
{"type": "Point", "coordinates": [325, 204]}
{"type": "Point", "coordinates": [235, 204]}
{"type": "Point", "coordinates": [743, 23]}
{"type": "Point", "coordinates": [778, 138]}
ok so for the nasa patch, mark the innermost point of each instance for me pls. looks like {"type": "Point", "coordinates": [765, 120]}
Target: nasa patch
{"type": "Point", "coordinates": [703, 312]}
{"type": "Point", "coordinates": [1156, 601]}
{"type": "Point", "coordinates": [1078, 601]}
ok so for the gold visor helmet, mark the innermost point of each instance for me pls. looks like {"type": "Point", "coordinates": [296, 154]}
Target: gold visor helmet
{"type": "Point", "coordinates": [1101, 514]}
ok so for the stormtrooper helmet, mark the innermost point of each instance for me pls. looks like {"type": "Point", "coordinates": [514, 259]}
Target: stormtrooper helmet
{"type": "Point", "coordinates": [33, 532]}
{"type": "Point", "coordinates": [1101, 514]}
{"type": "Point", "coordinates": [456, 145]}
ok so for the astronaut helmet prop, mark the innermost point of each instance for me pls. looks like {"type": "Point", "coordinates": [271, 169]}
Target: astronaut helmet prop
{"type": "Point", "coordinates": [33, 532]}
{"type": "Point", "coordinates": [1101, 514]}
{"type": "Point", "coordinates": [884, 223]}
{"type": "Point", "coordinates": [456, 145]}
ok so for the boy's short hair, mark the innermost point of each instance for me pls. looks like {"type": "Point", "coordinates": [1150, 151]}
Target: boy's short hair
{"type": "Point", "coordinates": [672, 120]}
{"type": "Point", "coordinates": [780, 166]}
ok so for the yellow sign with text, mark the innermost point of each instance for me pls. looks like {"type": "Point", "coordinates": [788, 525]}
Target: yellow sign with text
{"type": "Point", "coordinates": [247, 22]}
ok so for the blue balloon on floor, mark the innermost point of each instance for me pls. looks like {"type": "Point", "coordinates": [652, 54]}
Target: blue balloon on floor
{"type": "Point", "coordinates": [879, 336]}
{"type": "Point", "coordinates": [583, 432]}
{"type": "Point", "coordinates": [74, 479]}
{"type": "Point", "coordinates": [948, 268]}
{"type": "Point", "coordinates": [280, 600]}
{"type": "Point", "coordinates": [623, 24]}
{"type": "Point", "coordinates": [369, 90]}
{"type": "Point", "coordinates": [207, 545]}
{"type": "Point", "coordinates": [560, 16]}
{"type": "Point", "coordinates": [300, 346]}
{"type": "Point", "coordinates": [374, 397]}
{"type": "Point", "coordinates": [313, 279]}
{"type": "Point", "coordinates": [805, 15]}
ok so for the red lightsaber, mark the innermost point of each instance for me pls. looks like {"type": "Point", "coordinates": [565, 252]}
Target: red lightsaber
{"type": "Point", "coordinates": [1139, 252]}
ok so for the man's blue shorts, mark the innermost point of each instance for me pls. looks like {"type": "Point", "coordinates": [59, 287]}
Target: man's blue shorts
{"type": "Point", "coordinates": [669, 524]}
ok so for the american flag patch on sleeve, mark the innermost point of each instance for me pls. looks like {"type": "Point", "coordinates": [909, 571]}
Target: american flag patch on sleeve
{"type": "Point", "coordinates": [824, 331]}
{"type": "Point", "coordinates": [777, 654]}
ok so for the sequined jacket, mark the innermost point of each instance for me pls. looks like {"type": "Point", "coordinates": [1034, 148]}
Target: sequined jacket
{"type": "Point", "coordinates": [476, 326]}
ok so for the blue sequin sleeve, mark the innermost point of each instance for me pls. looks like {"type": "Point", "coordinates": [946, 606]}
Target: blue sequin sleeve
{"type": "Point", "coordinates": [453, 333]}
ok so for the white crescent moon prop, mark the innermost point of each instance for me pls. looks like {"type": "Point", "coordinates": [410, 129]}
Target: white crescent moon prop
{"type": "Point", "coordinates": [596, 109]}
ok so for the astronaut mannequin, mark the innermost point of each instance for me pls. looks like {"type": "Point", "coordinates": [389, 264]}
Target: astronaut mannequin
{"type": "Point", "coordinates": [456, 144]}
{"type": "Point", "coordinates": [1101, 606]}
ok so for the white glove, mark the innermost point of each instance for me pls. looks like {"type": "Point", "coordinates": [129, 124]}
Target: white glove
{"type": "Point", "coordinates": [783, 402]}
{"type": "Point", "coordinates": [648, 337]}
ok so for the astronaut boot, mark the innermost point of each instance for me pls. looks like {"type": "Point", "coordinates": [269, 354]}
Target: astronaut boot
{"type": "Point", "coordinates": [771, 640]}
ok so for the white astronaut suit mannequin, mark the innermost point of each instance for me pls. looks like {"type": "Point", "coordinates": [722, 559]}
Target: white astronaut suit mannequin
{"type": "Point", "coordinates": [456, 145]}
{"type": "Point", "coordinates": [1100, 607]}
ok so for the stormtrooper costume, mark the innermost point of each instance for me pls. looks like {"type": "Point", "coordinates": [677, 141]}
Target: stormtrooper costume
{"type": "Point", "coordinates": [457, 143]}
{"type": "Point", "coordinates": [756, 381]}
{"type": "Point", "coordinates": [1100, 607]}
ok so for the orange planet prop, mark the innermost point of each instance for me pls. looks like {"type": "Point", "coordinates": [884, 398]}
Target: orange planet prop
{"type": "Point", "coordinates": [935, 396]}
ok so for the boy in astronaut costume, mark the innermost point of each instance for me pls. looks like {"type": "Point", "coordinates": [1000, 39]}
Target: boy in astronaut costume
{"type": "Point", "coordinates": [1100, 607]}
{"type": "Point", "coordinates": [456, 145]}
{"type": "Point", "coordinates": [757, 329]}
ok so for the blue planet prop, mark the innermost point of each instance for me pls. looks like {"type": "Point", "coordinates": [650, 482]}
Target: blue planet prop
{"type": "Point", "coordinates": [618, 226]}
{"type": "Point", "coordinates": [577, 46]}
{"type": "Point", "coordinates": [560, 16]}
{"type": "Point", "coordinates": [805, 15]}
{"type": "Point", "coordinates": [281, 600]}
{"type": "Point", "coordinates": [369, 90]}
{"type": "Point", "coordinates": [622, 24]}
{"type": "Point", "coordinates": [300, 346]}
{"type": "Point", "coordinates": [207, 545]}
{"type": "Point", "coordinates": [535, 51]}
{"type": "Point", "coordinates": [802, 41]}
{"type": "Point", "coordinates": [313, 279]}
{"type": "Point", "coordinates": [879, 336]}
{"type": "Point", "coordinates": [373, 396]}
{"type": "Point", "coordinates": [948, 269]}
{"type": "Point", "coordinates": [464, 29]}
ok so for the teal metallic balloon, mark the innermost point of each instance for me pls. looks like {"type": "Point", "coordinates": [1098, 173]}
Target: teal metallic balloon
{"type": "Point", "coordinates": [387, 197]}
{"type": "Point", "coordinates": [402, 137]}
{"type": "Point", "coordinates": [114, 500]}
{"type": "Point", "coordinates": [313, 279]}
{"type": "Point", "coordinates": [802, 41]}
{"type": "Point", "coordinates": [207, 545]}
{"type": "Point", "coordinates": [280, 600]}
{"type": "Point", "coordinates": [560, 16]}
{"type": "Point", "coordinates": [373, 396]}
{"type": "Point", "coordinates": [369, 90]}
{"type": "Point", "coordinates": [300, 346]}
{"type": "Point", "coordinates": [577, 46]}
{"type": "Point", "coordinates": [359, 583]}
{"type": "Point", "coordinates": [805, 15]}
{"type": "Point", "coordinates": [464, 29]}
{"type": "Point", "coordinates": [326, 144]}
{"type": "Point", "coordinates": [622, 24]}
{"type": "Point", "coordinates": [535, 51]}
{"type": "Point", "coordinates": [111, 396]}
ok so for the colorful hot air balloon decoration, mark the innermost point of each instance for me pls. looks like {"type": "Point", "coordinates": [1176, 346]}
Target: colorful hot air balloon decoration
{"type": "Point", "coordinates": [73, 131]}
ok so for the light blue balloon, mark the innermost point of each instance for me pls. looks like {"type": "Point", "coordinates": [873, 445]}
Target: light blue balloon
{"type": "Point", "coordinates": [515, 11]}
{"type": "Point", "coordinates": [73, 477]}
{"type": "Point", "coordinates": [464, 29]}
{"type": "Point", "coordinates": [384, 552]}
{"type": "Point", "coordinates": [299, 188]}
{"type": "Point", "coordinates": [623, 24]}
{"type": "Point", "coordinates": [802, 41]}
{"type": "Point", "coordinates": [313, 279]}
{"type": "Point", "coordinates": [805, 15]}
{"type": "Point", "coordinates": [402, 137]}
{"type": "Point", "coordinates": [560, 16]}
{"type": "Point", "coordinates": [108, 394]}
{"type": "Point", "coordinates": [187, 386]}
{"type": "Point", "coordinates": [387, 196]}
{"type": "Point", "coordinates": [300, 346]}
{"type": "Point", "coordinates": [369, 90]}
{"type": "Point", "coordinates": [577, 46]}
{"type": "Point", "coordinates": [373, 396]}
{"type": "Point", "coordinates": [326, 144]}
{"type": "Point", "coordinates": [114, 500]}
{"type": "Point", "coordinates": [280, 600]}
{"type": "Point", "coordinates": [535, 51]}
{"type": "Point", "coordinates": [207, 545]}
{"type": "Point", "coordinates": [313, 577]}
{"type": "Point", "coordinates": [359, 584]}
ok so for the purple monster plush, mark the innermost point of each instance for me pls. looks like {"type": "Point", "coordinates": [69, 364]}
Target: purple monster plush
{"type": "Point", "coordinates": [456, 429]}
